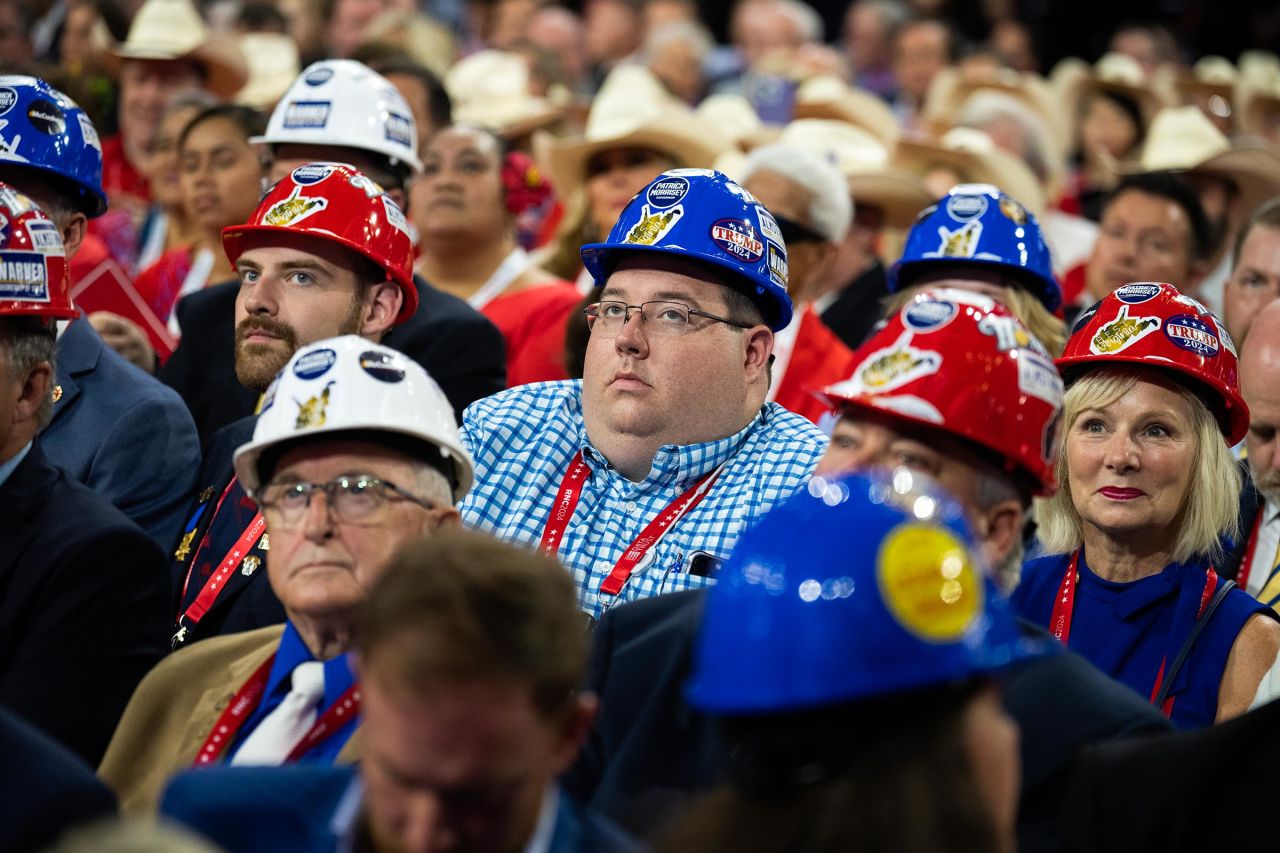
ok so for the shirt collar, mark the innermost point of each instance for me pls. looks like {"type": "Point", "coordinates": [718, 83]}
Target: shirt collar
{"type": "Point", "coordinates": [540, 840]}
{"type": "Point", "coordinates": [7, 469]}
{"type": "Point", "coordinates": [338, 676]}
{"type": "Point", "coordinates": [1270, 510]}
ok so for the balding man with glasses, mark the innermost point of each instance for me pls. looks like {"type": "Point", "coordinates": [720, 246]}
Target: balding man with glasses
{"type": "Point", "coordinates": [641, 476]}
{"type": "Point", "coordinates": [356, 453]}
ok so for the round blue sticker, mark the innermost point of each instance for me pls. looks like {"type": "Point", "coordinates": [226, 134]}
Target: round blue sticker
{"type": "Point", "coordinates": [8, 97]}
{"type": "Point", "coordinates": [318, 77]}
{"type": "Point", "coordinates": [313, 365]}
{"type": "Point", "coordinates": [1136, 294]}
{"type": "Point", "coordinates": [738, 238]}
{"type": "Point", "coordinates": [313, 173]}
{"type": "Point", "coordinates": [667, 191]}
{"type": "Point", "coordinates": [929, 316]}
{"type": "Point", "coordinates": [1193, 335]}
{"type": "Point", "coordinates": [965, 207]}
{"type": "Point", "coordinates": [381, 366]}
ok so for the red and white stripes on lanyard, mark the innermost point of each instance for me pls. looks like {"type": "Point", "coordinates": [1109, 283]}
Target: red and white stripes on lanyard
{"type": "Point", "coordinates": [567, 501]}
{"type": "Point", "coordinates": [1249, 557]}
{"type": "Point", "coordinates": [247, 700]}
{"type": "Point", "coordinates": [1064, 608]}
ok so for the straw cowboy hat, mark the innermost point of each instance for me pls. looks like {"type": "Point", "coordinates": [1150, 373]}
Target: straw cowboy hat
{"type": "Point", "coordinates": [173, 29]}
{"type": "Point", "coordinates": [425, 41]}
{"type": "Point", "coordinates": [1211, 75]}
{"type": "Point", "coordinates": [273, 66]}
{"type": "Point", "coordinates": [864, 161]}
{"type": "Point", "coordinates": [1257, 95]}
{"type": "Point", "coordinates": [976, 160]}
{"type": "Point", "coordinates": [631, 110]}
{"type": "Point", "coordinates": [490, 89]}
{"type": "Point", "coordinates": [951, 87]}
{"type": "Point", "coordinates": [1183, 139]}
{"type": "Point", "coordinates": [737, 120]}
{"type": "Point", "coordinates": [1114, 72]}
{"type": "Point", "coordinates": [831, 98]}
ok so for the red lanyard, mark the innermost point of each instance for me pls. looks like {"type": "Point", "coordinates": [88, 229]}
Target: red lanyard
{"type": "Point", "coordinates": [567, 501]}
{"type": "Point", "coordinates": [1246, 564]}
{"type": "Point", "coordinates": [246, 701]}
{"type": "Point", "coordinates": [1064, 607]}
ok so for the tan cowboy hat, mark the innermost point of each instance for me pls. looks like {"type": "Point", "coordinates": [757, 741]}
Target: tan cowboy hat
{"type": "Point", "coordinates": [1183, 139]}
{"type": "Point", "coordinates": [425, 41]}
{"type": "Point", "coordinates": [1114, 72]}
{"type": "Point", "coordinates": [273, 66]}
{"type": "Point", "coordinates": [631, 110]}
{"type": "Point", "coordinates": [976, 160]}
{"type": "Point", "coordinates": [864, 161]}
{"type": "Point", "coordinates": [737, 120]}
{"type": "Point", "coordinates": [173, 29]}
{"type": "Point", "coordinates": [951, 87]}
{"type": "Point", "coordinates": [1257, 90]}
{"type": "Point", "coordinates": [490, 89]}
{"type": "Point", "coordinates": [1211, 75]}
{"type": "Point", "coordinates": [831, 98]}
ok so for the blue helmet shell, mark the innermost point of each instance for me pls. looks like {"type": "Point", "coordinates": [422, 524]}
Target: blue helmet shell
{"type": "Point", "coordinates": [979, 224]}
{"type": "Point", "coordinates": [43, 129]}
{"type": "Point", "coordinates": [705, 217]}
{"type": "Point", "coordinates": [854, 588]}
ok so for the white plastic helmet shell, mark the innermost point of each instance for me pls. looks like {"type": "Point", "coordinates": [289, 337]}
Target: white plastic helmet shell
{"type": "Point", "coordinates": [343, 102]}
{"type": "Point", "coordinates": [344, 384]}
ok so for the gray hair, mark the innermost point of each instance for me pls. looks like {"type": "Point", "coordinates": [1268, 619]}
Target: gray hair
{"type": "Point", "coordinates": [693, 33]}
{"type": "Point", "coordinates": [432, 484]}
{"type": "Point", "coordinates": [987, 106]}
{"type": "Point", "coordinates": [28, 341]}
{"type": "Point", "coordinates": [805, 17]}
{"type": "Point", "coordinates": [831, 209]}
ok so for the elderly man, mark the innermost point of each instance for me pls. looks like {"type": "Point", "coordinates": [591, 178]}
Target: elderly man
{"type": "Point", "coordinates": [911, 401]}
{"type": "Point", "coordinates": [342, 112]}
{"type": "Point", "coordinates": [326, 254]}
{"type": "Point", "coordinates": [1255, 274]}
{"type": "Point", "coordinates": [469, 716]}
{"type": "Point", "coordinates": [113, 428]}
{"type": "Point", "coordinates": [807, 197]}
{"type": "Point", "coordinates": [356, 453]}
{"type": "Point", "coordinates": [84, 598]}
{"type": "Point", "coordinates": [641, 475]}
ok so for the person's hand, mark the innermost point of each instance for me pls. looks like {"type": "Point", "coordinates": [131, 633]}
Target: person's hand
{"type": "Point", "coordinates": [125, 337]}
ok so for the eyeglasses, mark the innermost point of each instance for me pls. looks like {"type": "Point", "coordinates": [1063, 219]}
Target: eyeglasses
{"type": "Point", "coordinates": [663, 319]}
{"type": "Point", "coordinates": [352, 500]}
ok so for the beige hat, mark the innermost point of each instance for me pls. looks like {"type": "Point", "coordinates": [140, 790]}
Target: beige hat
{"type": "Point", "coordinates": [1121, 73]}
{"type": "Point", "coordinates": [950, 88]}
{"type": "Point", "coordinates": [173, 29]}
{"type": "Point", "coordinates": [425, 41]}
{"type": "Point", "coordinates": [632, 109]}
{"type": "Point", "coordinates": [1257, 90]}
{"type": "Point", "coordinates": [1211, 75]}
{"type": "Point", "coordinates": [829, 97]}
{"type": "Point", "coordinates": [490, 89]}
{"type": "Point", "coordinates": [1183, 139]}
{"type": "Point", "coordinates": [273, 66]}
{"type": "Point", "coordinates": [977, 160]}
{"type": "Point", "coordinates": [737, 120]}
{"type": "Point", "coordinates": [864, 161]}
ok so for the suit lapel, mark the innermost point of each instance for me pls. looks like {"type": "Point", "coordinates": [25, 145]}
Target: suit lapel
{"type": "Point", "coordinates": [79, 349]}
{"type": "Point", "coordinates": [215, 699]}
{"type": "Point", "coordinates": [21, 497]}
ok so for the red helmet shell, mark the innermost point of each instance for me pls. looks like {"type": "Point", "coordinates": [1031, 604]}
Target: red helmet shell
{"type": "Point", "coordinates": [1151, 323]}
{"type": "Point", "coordinates": [335, 202]}
{"type": "Point", "coordinates": [962, 363]}
{"type": "Point", "coordinates": [34, 280]}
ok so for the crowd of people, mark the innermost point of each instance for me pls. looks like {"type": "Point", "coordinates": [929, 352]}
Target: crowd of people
{"type": "Point", "coordinates": [512, 426]}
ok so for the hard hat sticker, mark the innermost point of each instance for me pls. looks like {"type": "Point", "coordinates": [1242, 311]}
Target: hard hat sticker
{"type": "Point", "coordinates": [307, 115]}
{"type": "Point", "coordinates": [23, 277]}
{"type": "Point", "coordinates": [778, 270]}
{"type": "Point", "coordinates": [666, 192]}
{"type": "Point", "coordinates": [318, 77]}
{"type": "Point", "coordinates": [293, 209]}
{"type": "Point", "coordinates": [738, 238]}
{"type": "Point", "coordinates": [895, 366]}
{"type": "Point", "coordinates": [1225, 337]}
{"type": "Point", "coordinates": [1012, 210]}
{"type": "Point", "coordinates": [395, 215]}
{"type": "Point", "coordinates": [653, 226]}
{"type": "Point", "coordinates": [47, 117]}
{"type": "Point", "coordinates": [312, 413]}
{"type": "Point", "coordinates": [929, 316]}
{"type": "Point", "coordinates": [312, 173]}
{"type": "Point", "coordinates": [960, 243]}
{"type": "Point", "coordinates": [1009, 334]}
{"type": "Point", "coordinates": [45, 238]}
{"type": "Point", "coordinates": [1192, 334]}
{"type": "Point", "coordinates": [928, 582]}
{"type": "Point", "coordinates": [8, 97]}
{"type": "Point", "coordinates": [1122, 332]}
{"type": "Point", "coordinates": [964, 207]}
{"type": "Point", "coordinates": [315, 364]}
{"type": "Point", "coordinates": [1137, 293]}
{"type": "Point", "coordinates": [1039, 378]}
{"type": "Point", "coordinates": [381, 366]}
{"type": "Point", "coordinates": [399, 130]}
{"type": "Point", "coordinates": [769, 226]}
{"type": "Point", "coordinates": [89, 132]}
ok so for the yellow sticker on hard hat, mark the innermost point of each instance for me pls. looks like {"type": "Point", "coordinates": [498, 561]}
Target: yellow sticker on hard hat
{"type": "Point", "coordinates": [1122, 332]}
{"type": "Point", "coordinates": [312, 413]}
{"type": "Point", "coordinates": [653, 226]}
{"type": "Point", "coordinates": [928, 582]}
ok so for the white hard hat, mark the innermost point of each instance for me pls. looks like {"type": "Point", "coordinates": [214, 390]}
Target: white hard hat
{"type": "Point", "coordinates": [350, 385]}
{"type": "Point", "coordinates": [343, 102]}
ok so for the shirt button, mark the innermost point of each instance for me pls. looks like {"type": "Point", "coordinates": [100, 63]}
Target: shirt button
{"type": "Point", "coordinates": [631, 507]}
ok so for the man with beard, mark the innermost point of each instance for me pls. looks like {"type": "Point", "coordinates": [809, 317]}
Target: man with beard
{"type": "Point", "coordinates": [326, 253]}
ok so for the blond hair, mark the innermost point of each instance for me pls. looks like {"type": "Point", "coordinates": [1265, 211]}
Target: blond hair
{"type": "Point", "coordinates": [1046, 328]}
{"type": "Point", "coordinates": [1210, 509]}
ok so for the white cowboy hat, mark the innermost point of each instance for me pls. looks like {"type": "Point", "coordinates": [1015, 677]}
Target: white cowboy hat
{"type": "Point", "coordinates": [490, 89]}
{"type": "Point", "coordinates": [1114, 72]}
{"type": "Point", "coordinates": [173, 29]}
{"type": "Point", "coordinates": [831, 98]}
{"type": "Point", "coordinates": [1257, 90]}
{"type": "Point", "coordinates": [631, 110]}
{"type": "Point", "coordinates": [737, 120]}
{"type": "Point", "coordinates": [273, 66]}
{"type": "Point", "coordinates": [977, 160]}
{"type": "Point", "coordinates": [864, 161]}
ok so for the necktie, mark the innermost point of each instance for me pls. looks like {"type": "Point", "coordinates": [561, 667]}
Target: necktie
{"type": "Point", "coordinates": [279, 732]}
{"type": "Point", "coordinates": [1271, 589]}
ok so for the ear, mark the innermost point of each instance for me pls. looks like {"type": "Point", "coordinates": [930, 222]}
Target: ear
{"type": "Point", "coordinates": [574, 729]}
{"type": "Point", "coordinates": [382, 306]}
{"type": "Point", "coordinates": [77, 225]}
{"type": "Point", "coordinates": [448, 518]}
{"type": "Point", "coordinates": [1000, 528]}
{"type": "Point", "coordinates": [34, 391]}
{"type": "Point", "coordinates": [758, 348]}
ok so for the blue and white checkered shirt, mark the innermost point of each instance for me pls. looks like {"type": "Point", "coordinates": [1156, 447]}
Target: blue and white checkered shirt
{"type": "Point", "coordinates": [523, 440]}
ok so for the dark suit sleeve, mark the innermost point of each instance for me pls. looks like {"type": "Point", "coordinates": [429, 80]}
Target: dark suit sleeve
{"type": "Point", "coordinates": [580, 780]}
{"type": "Point", "coordinates": [97, 622]}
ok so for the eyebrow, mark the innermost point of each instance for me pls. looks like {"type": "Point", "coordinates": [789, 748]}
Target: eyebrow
{"type": "Point", "coordinates": [660, 296]}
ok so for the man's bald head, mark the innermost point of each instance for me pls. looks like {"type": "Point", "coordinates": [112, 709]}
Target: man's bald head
{"type": "Point", "coordinates": [1260, 385]}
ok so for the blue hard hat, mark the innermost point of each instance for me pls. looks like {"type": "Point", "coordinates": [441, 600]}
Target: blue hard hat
{"type": "Point", "coordinates": [854, 588]}
{"type": "Point", "coordinates": [41, 128]}
{"type": "Point", "coordinates": [979, 224]}
{"type": "Point", "coordinates": [705, 217]}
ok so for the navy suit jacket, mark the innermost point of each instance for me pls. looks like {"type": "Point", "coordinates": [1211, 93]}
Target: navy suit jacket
{"type": "Point", "coordinates": [122, 433]}
{"type": "Point", "coordinates": [269, 809]}
{"type": "Point", "coordinates": [648, 749]}
{"type": "Point", "coordinates": [44, 790]}
{"type": "Point", "coordinates": [463, 351]}
{"type": "Point", "coordinates": [83, 606]}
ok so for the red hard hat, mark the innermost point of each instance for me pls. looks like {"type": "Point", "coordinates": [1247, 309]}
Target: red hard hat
{"type": "Point", "coordinates": [335, 202]}
{"type": "Point", "coordinates": [1151, 323]}
{"type": "Point", "coordinates": [962, 363]}
{"type": "Point", "coordinates": [33, 264]}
